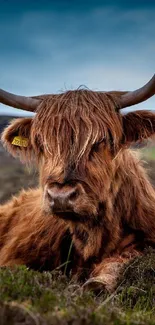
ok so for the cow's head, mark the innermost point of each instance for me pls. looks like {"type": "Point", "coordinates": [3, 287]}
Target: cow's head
{"type": "Point", "coordinates": [75, 138]}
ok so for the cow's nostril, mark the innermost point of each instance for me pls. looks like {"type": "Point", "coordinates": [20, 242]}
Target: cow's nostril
{"type": "Point", "coordinates": [73, 195]}
{"type": "Point", "coordinates": [49, 195]}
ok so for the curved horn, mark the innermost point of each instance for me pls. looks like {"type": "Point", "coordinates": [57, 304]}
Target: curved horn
{"type": "Point", "coordinates": [22, 102]}
{"type": "Point", "coordinates": [139, 95]}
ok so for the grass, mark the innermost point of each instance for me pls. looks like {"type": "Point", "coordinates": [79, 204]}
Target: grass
{"type": "Point", "coordinates": [148, 153]}
{"type": "Point", "coordinates": [30, 297]}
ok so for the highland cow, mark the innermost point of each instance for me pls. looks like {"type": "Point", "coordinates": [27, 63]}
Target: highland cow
{"type": "Point", "coordinates": [93, 196]}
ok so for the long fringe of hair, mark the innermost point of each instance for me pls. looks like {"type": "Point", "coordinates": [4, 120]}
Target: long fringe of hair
{"type": "Point", "coordinates": [89, 117]}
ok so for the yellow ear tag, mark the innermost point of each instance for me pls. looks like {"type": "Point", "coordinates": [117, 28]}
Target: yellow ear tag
{"type": "Point", "coordinates": [20, 141]}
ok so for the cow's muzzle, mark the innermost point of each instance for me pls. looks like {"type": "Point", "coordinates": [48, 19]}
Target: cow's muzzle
{"type": "Point", "coordinates": [63, 198]}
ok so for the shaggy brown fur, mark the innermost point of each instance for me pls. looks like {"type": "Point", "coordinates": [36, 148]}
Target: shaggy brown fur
{"type": "Point", "coordinates": [80, 140]}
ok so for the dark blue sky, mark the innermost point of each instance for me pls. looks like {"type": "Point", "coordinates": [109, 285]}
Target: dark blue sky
{"type": "Point", "coordinates": [49, 46]}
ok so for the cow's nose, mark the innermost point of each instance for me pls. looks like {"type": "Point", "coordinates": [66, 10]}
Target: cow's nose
{"type": "Point", "coordinates": [62, 200]}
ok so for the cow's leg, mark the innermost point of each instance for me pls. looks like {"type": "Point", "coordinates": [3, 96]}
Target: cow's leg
{"type": "Point", "coordinates": [105, 275]}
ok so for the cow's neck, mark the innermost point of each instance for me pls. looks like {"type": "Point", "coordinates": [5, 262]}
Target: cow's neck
{"type": "Point", "coordinates": [97, 240]}
{"type": "Point", "coordinates": [132, 197]}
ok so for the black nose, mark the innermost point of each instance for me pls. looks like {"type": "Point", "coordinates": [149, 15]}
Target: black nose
{"type": "Point", "coordinates": [62, 200]}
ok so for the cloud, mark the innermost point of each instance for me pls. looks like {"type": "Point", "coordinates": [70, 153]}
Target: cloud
{"type": "Point", "coordinates": [105, 48]}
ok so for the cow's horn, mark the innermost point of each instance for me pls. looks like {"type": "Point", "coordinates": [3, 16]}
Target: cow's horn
{"type": "Point", "coordinates": [139, 95]}
{"type": "Point", "coordinates": [22, 102]}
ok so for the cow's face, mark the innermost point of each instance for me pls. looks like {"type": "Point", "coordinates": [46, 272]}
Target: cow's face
{"type": "Point", "coordinates": [78, 144]}
{"type": "Point", "coordinates": [75, 138]}
{"type": "Point", "coordinates": [76, 186]}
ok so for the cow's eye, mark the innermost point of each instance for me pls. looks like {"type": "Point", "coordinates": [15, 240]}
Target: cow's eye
{"type": "Point", "coordinates": [96, 147]}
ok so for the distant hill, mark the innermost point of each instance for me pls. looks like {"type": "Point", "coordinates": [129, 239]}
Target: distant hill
{"type": "Point", "coordinates": [4, 121]}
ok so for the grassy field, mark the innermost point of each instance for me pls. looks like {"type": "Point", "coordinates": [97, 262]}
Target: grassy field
{"type": "Point", "coordinates": [50, 298]}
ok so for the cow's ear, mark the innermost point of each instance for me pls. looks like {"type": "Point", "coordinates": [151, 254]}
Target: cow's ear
{"type": "Point", "coordinates": [16, 138]}
{"type": "Point", "coordinates": [138, 125]}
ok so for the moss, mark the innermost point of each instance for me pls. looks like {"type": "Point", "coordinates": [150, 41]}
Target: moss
{"type": "Point", "coordinates": [138, 283]}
